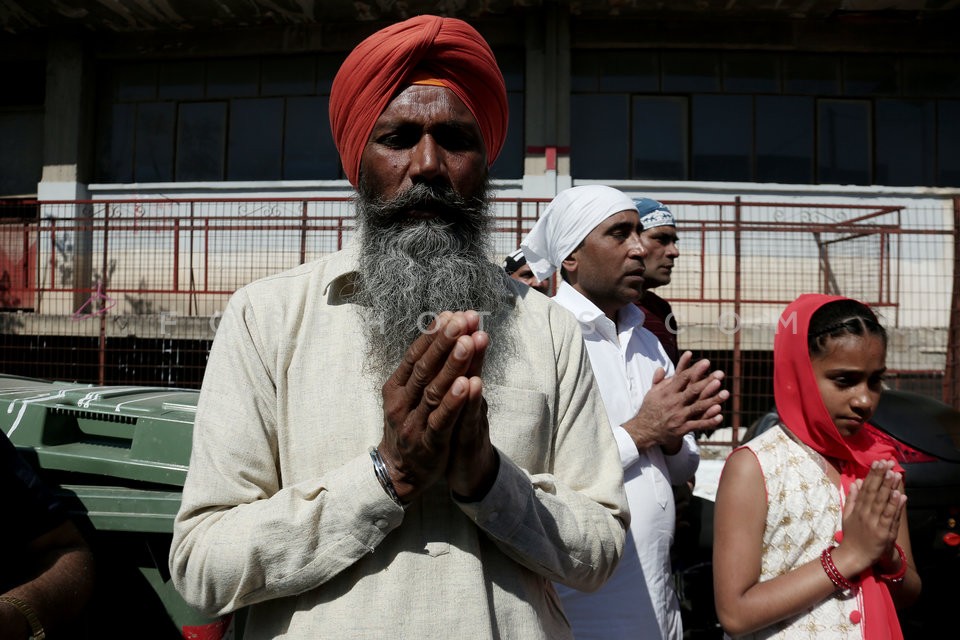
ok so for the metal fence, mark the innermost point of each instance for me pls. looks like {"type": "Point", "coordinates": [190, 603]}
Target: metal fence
{"type": "Point", "coordinates": [130, 292]}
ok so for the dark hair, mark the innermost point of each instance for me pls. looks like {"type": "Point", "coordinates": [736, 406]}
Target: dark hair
{"type": "Point", "coordinates": [511, 264]}
{"type": "Point", "coordinates": [838, 318]}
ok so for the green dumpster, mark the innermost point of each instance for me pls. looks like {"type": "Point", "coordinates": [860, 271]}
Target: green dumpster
{"type": "Point", "coordinates": [117, 456]}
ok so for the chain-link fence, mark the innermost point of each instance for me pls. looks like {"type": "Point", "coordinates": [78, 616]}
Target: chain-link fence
{"type": "Point", "coordinates": [130, 292]}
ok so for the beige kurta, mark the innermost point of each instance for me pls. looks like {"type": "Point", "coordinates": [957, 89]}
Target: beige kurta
{"type": "Point", "coordinates": [282, 511]}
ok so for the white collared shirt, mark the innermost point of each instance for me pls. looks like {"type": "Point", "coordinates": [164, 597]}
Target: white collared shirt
{"type": "Point", "coordinates": [639, 600]}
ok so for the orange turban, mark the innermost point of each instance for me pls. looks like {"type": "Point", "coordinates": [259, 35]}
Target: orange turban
{"type": "Point", "coordinates": [446, 49]}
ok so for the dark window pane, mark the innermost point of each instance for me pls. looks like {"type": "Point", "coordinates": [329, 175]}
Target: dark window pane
{"type": "Point", "coordinates": [293, 76]}
{"type": "Point", "coordinates": [233, 78]}
{"type": "Point", "coordinates": [308, 149]}
{"type": "Point", "coordinates": [784, 139]}
{"type": "Point", "coordinates": [256, 139]}
{"type": "Point", "coordinates": [115, 143]}
{"type": "Point", "coordinates": [21, 151]}
{"type": "Point", "coordinates": [153, 160]}
{"type": "Point", "coordinates": [690, 72]}
{"type": "Point", "coordinates": [722, 138]}
{"type": "Point", "coordinates": [201, 137]}
{"type": "Point", "coordinates": [327, 67]}
{"type": "Point", "coordinates": [25, 83]}
{"type": "Point", "coordinates": [511, 65]}
{"type": "Point", "coordinates": [843, 142]}
{"type": "Point", "coordinates": [181, 80]}
{"type": "Point", "coordinates": [948, 151]}
{"type": "Point", "coordinates": [932, 76]}
{"type": "Point", "coordinates": [585, 71]}
{"type": "Point", "coordinates": [599, 138]}
{"type": "Point", "coordinates": [509, 163]}
{"type": "Point", "coordinates": [134, 82]}
{"type": "Point", "coordinates": [659, 138]}
{"type": "Point", "coordinates": [905, 142]}
{"type": "Point", "coordinates": [811, 75]}
{"type": "Point", "coordinates": [751, 73]}
{"type": "Point", "coordinates": [871, 76]}
{"type": "Point", "coordinates": [629, 71]}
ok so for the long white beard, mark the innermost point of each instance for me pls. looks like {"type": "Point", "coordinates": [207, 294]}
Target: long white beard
{"type": "Point", "coordinates": [413, 269]}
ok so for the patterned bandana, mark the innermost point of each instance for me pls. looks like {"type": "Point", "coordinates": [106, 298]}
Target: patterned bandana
{"type": "Point", "coordinates": [654, 214]}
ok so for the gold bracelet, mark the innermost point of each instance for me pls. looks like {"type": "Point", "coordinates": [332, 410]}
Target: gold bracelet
{"type": "Point", "coordinates": [35, 627]}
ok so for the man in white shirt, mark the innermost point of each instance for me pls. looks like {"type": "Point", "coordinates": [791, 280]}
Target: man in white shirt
{"type": "Point", "coordinates": [592, 234]}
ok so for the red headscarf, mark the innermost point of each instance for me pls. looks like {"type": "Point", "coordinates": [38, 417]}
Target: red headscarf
{"type": "Point", "coordinates": [798, 399]}
{"type": "Point", "coordinates": [802, 410]}
{"type": "Point", "coordinates": [445, 49]}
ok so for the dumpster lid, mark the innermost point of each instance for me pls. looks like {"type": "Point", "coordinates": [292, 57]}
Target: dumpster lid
{"type": "Point", "coordinates": [138, 433]}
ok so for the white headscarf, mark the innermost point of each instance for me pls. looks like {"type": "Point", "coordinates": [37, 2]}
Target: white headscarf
{"type": "Point", "coordinates": [570, 218]}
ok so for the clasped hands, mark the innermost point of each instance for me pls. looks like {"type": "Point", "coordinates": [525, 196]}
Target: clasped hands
{"type": "Point", "coordinates": [871, 521]}
{"type": "Point", "coordinates": [687, 401]}
{"type": "Point", "coordinates": [435, 416]}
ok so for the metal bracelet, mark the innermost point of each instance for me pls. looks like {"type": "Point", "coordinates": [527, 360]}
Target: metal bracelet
{"type": "Point", "coordinates": [383, 476]}
{"type": "Point", "coordinates": [36, 629]}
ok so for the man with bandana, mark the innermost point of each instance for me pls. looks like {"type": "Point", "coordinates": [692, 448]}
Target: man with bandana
{"type": "Point", "coordinates": [389, 441]}
{"type": "Point", "coordinates": [515, 266]}
{"type": "Point", "coordinates": [659, 239]}
{"type": "Point", "coordinates": [591, 234]}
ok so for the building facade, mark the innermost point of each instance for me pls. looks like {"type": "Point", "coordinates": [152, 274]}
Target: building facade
{"type": "Point", "coordinates": [837, 122]}
{"type": "Point", "coordinates": [139, 96]}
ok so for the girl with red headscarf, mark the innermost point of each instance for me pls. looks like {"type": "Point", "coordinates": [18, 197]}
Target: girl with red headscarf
{"type": "Point", "coordinates": [810, 531]}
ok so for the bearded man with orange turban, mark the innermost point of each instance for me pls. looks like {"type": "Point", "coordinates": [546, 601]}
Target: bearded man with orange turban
{"type": "Point", "coordinates": [390, 441]}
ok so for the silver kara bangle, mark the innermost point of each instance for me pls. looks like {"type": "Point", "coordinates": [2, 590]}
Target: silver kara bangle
{"type": "Point", "coordinates": [380, 470]}
{"type": "Point", "coordinates": [36, 629]}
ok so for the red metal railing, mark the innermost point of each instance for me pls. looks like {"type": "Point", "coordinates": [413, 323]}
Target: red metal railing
{"type": "Point", "coordinates": [157, 272]}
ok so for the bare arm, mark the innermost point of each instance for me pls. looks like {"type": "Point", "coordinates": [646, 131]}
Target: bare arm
{"type": "Point", "coordinates": [872, 516]}
{"type": "Point", "coordinates": [61, 587]}
{"type": "Point", "coordinates": [745, 604]}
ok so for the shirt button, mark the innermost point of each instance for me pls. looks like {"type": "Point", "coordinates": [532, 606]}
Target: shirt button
{"type": "Point", "coordinates": [855, 617]}
{"type": "Point", "coordinates": [381, 524]}
{"type": "Point", "coordinates": [493, 516]}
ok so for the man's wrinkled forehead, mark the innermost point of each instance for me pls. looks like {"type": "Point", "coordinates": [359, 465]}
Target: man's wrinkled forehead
{"type": "Point", "coordinates": [430, 101]}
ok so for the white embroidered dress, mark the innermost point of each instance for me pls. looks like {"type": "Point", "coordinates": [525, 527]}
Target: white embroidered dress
{"type": "Point", "coordinates": [803, 514]}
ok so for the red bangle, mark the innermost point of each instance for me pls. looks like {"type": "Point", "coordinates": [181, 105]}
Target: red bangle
{"type": "Point", "coordinates": [896, 576]}
{"type": "Point", "coordinates": [837, 578]}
